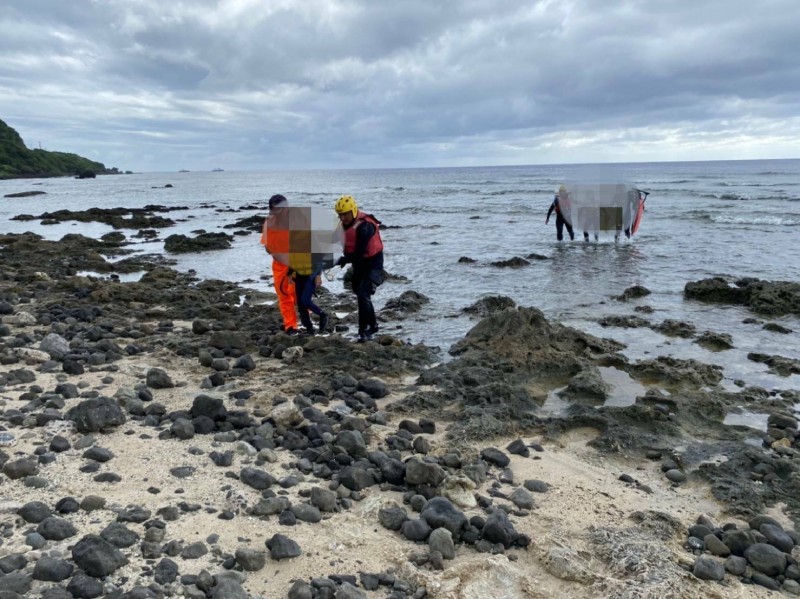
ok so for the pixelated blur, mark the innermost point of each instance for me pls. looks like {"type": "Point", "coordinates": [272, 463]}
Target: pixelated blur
{"type": "Point", "coordinates": [596, 207]}
{"type": "Point", "coordinates": [304, 238]}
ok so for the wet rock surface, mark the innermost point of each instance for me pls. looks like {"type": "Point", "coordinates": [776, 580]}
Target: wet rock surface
{"type": "Point", "coordinates": [772, 298]}
{"type": "Point", "coordinates": [345, 439]}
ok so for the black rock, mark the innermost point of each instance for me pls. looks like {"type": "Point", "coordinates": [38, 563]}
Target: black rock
{"type": "Point", "coordinates": [182, 471]}
{"type": "Point", "coordinates": [157, 378]}
{"type": "Point", "coordinates": [537, 486]}
{"type": "Point", "coordinates": [699, 531]}
{"type": "Point", "coordinates": [323, 499]}
{"type": "Point", "coordinates": [13, 562]}
{"type": "Point", "coordinates": [56, 529]}
{"type": "Point", "coordinates": [393, 471]}
{"type": "Point", "coordinates": [715, 546]}
{"type": "Point", "coordinates": [707, 568]}
{"type": "Point", "coordinates": [67, 390]}
{"type": "Point", "coordinates": [423, 473]}
{"type": "Point", "coordinates": [228, 588]}
{"type": "Point", "coordinates": [736, 565]}
{"type": "Point", "coordinates": [59, 444]}
{"type": "Point", "coordinates": [72, 367]}
{"type": "Point", "coordinates": [410, 426]}
{"type": "Point", "coordinates": [766, 581]}
{"type": "Point", "coordinates": [245, 362]}
{"type": "Point", "coordinates": [777, 537]}
{"type": "Point", "coordinates": [50, 569]}
{"type": "Point", "coordinates": [35, 541]}
{"type": "Point", "coordinates": [97, 557]}
{"type": "Point", "coordinates": [494, 456]}
{"type": "Point", "coordinates": [194, 550]}
{"type": "Point", "coordinates": [427, 425]}
{"type": "Point", "coordinates": [166, 571]}
{"type": "Point", "coordinates": [518, 447]}
{"type": "Point", "coordinates": [287, 518]}
{"type": "Point", "coordinates": [355, 479]}
{"type": "Point", "coordinates": [738, 540]}
{"type": "Point", "coordinates": [211, 407]}
{"type": "Point", "coordinates": [257, 479]}
{"type": "Point", "coordinates": [369, 581]}
{"type": "Point", "coordinates": [98, 454]}
{"type": "Point", "coordinates": [766, 559]}
{"type": "Point", "coordinates": [282, 547]}
{"type": "Point", "coordinates": [18, 583]}
{"type": "Point", "coordinates": [203, 425]}
{"type": "Point", "coordinates": [221, 459]}
{"type": "Point", "coordinates": [756, 522]}
{"type": "Point", "coordinates": [439, 512]}
{"type": "Point", "coordinates": [374, 387]}
{"type": "Point", "coordinates": [498, 529]}
{"type": "Point", "coordinates": [82, 586]}
{"type": "Point", "coordinates": [306, 513]}
{"type": "Point", "coordinates": [392, 517]}
{"type": "Point", "coordinates": [182, 429]}
{"type": "Point", "coordinates": [119, 535]}
{"type": "Point", "coordinates": [97, 414]}
{"type": "Point", "coordinates": [416, 529]}
{"type": "Point", "coordinates": [34, 512]}
{"type": "Point", "coordinates": [20, 468]}
{"type": "Point", "coordinates": [250, 560]}
{"type": "Point", "coordinates": [135, 514]}
{"type": "Point", "coordinates": [301, 590]}
{"type": "Point", "coordinates": [675, 475]}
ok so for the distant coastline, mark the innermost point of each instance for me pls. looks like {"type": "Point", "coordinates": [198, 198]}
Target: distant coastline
{"type": "Point", "coordinates": [19, 162]}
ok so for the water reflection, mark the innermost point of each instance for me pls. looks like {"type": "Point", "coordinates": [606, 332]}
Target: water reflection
{"type": "Point", "coordinates": [754, 420]}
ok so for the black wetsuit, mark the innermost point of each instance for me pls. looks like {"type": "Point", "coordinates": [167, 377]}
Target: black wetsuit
{"type": "Point", "coordinates": [367, 275]}
{"type": "Point", "coordinates": [560, 221]}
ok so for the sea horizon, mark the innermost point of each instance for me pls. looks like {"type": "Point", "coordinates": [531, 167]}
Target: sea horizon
{"type": "Point", "coordinates": [457, 167]}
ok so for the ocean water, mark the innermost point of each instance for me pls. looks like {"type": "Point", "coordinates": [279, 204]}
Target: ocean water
{"type": "Point", "coordinates": [729, 218]}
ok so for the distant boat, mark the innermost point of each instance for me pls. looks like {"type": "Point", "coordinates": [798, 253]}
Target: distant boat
{"type": "Point", "coordinates": [183, 170]}
{"type": "Point", "coordinates": [217, 170]}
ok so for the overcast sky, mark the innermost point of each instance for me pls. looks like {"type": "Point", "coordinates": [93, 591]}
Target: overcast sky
{"type": "Point", "coordinates": [161, 85]}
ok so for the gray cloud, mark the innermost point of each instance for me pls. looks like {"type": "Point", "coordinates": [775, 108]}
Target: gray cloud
{"type": "Point", "coordinates": [250, 84]}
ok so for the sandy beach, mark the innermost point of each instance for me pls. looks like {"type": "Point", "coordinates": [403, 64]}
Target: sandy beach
{"type": "Point", "coordinates": [155, 454]}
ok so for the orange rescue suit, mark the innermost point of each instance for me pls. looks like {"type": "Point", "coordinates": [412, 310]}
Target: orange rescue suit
{"type": "Point", "coordinates": [277, 242]}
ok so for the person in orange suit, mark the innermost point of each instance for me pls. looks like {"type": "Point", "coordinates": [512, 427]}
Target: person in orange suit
{"type": "Point", "coordinates": [276, 241]}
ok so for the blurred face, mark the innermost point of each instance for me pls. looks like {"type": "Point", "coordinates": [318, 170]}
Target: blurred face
{"type": "Point", "coordinates": [346, 218]}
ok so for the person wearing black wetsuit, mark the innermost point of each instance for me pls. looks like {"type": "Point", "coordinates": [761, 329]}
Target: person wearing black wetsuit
{"type": "Point", "coordinates": [560, 221]}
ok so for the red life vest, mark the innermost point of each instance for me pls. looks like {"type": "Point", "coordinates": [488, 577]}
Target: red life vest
{"type": "Point", "coordinates": [375, 244]}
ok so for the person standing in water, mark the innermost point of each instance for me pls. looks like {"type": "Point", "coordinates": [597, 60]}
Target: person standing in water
{"type": "Point", "coordinates": [560, 220]}
{"type": "Point", "coordinates": [363, 248]}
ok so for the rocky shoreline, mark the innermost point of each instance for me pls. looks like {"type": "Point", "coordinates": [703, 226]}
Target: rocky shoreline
{"type": "Point", "coordinates": [163, 438]}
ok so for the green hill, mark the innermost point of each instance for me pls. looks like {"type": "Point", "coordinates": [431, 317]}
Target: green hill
{"type": "Point", "coordinates": [16, 160]}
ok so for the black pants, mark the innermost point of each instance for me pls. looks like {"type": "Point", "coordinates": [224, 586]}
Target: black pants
{"type": "Point", "coordinates": [304, 287]}
{"type": "Point", "coordinates": [364, 285]}
{"type": "Point", "coordinates": [560, 224]}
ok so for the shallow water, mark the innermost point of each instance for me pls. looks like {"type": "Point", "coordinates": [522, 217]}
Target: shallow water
{"type": "Point", "coordinates": [702, 219]}
{"type": "Point", "coordinates": [746, 418]}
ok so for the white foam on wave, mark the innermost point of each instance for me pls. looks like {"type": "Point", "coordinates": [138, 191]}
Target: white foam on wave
{"type": "Point", "coordinates": [730, 219]}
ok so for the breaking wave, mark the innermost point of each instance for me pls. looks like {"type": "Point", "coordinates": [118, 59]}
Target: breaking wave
{"type": "Point", "coordinates": [731, 219]}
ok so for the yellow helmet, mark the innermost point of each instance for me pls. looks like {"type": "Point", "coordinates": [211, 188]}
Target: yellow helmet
{"type": "Point", "coordinates": [346, 204]}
